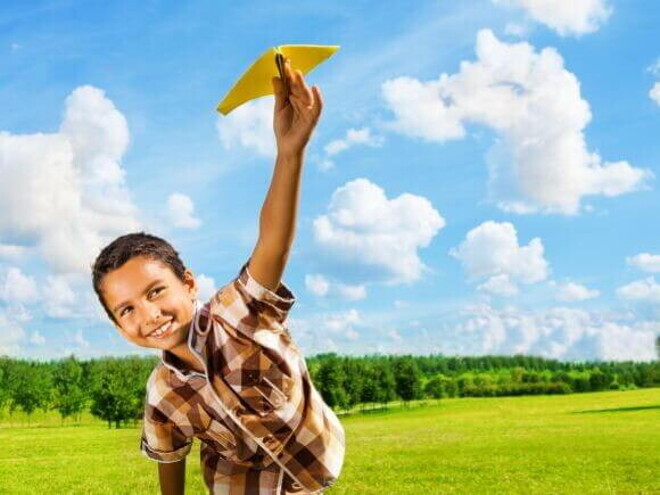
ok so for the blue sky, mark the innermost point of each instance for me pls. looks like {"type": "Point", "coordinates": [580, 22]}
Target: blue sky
{"type": "Point", "coordinates": [483, 180]}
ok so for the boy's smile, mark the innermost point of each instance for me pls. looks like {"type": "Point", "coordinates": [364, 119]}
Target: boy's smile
{"type": "Point", "coordinates": [152, 307]}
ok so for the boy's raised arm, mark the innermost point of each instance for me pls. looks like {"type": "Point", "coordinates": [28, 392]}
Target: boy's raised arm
{"type": "Point", "coordinates": [296, 114]}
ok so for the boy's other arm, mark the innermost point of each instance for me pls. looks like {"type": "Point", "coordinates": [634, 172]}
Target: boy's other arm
{"type": "Point", "coordinates": [296, 114]}
{"type": "Point", "coordinates": [172, 477]}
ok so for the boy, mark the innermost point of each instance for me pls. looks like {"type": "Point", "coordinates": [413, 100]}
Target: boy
{"type": "Point", "coordinates": [230, 374]}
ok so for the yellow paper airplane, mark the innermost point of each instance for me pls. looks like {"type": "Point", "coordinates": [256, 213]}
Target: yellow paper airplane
{"type": "Point", "coordinates": [256, 81]}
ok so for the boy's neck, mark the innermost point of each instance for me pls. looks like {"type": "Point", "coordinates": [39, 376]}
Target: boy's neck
{"type": "Point", "coordinates": [182, 351]}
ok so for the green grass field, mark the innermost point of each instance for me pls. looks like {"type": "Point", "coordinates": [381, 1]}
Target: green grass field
{"type": "Point", "coordinates": [598, 443]}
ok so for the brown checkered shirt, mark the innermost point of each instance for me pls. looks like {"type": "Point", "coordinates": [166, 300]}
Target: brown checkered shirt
{"type": "Point", "coordinates": [255, 397]}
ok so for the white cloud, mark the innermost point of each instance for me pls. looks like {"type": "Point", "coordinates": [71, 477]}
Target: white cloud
{"type": "Point", "coordinates": [646, 290]}
{"type": "Point", "coordinates": [570, 292]}
{"type": "Point", "coordinates": [64, 193]}
{"type": "Point", "coordinates": [353, 137]}
{"type": "Point", "coordinates": [395, 336]}
{"type": "Point", "coordinates": [500, 285]}
{"type": "Point", "coordinates": [17, 288]}
{"type": "Point", "coordinates": [654, 93]}
{"type": "Point", "coordinates": [342, 323]}
{"type": "Point", "coordinates": [575, 18]}
{"type": "Point", "coordinates": [541, 162]}
{"type": "Point", "coordinates": [60, 300]}
{"type": "Point", "coordinates": [37, 339]}
{"type": "Point", "coordinates": [249, 126]}
{"type": "Point", "coordinates": [321, 332]}
{"type": "Point", "coordinates": [363, 227]}
{"type": "Point", "coordinates": [491, 250]}
{"type": "Point", "coordinates": [11, 335]}
{"type": "Point", "coordinates": [324, 165]}
{"type": "Point", "coordinates": [352, 292]}
{"type": "Point", "coordinates": [654, 68]}
{"type": "Point", "coordinates": [79, 339]}
{"type": "Point", "coordinates": [515, 29]}
{"type": "Point", "coordinates": [319, 285]}
{"type": "Point", "coordinates": [206, 287]}
{"type": "Point", "coordinates": [11, 252]}
{"type": "Point", "coordinates": [182, 211]}
{"type": "Point", "coordinates": [645, 261]}
{"type": "Point", "coordinates": [559, 333]}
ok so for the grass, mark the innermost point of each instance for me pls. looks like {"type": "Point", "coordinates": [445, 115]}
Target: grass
{"type": "Point", "coordinates": [600, 443]}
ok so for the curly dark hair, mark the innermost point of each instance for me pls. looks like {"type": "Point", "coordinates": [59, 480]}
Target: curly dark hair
{"type": "Point", "coordinates": [127, 247]}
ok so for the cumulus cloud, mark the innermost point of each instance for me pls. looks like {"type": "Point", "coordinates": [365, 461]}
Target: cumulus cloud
{"type": "Point", "coordinates": [645, 261]}
{"type": "Point", "coordinates": [182, 211]}
{"type": "Point", "coordinates": [571, 292]}
{"type": "Point", "coordinates": [654, 93]}
{"type": "Point", "coordinates": [492, 251]}
{"type": "Point", "coordinates": [16, 287]}
{"type": "Point", "coordinates": [11, 334]}
{"type": "Point", "coordinates": [353, 137]}
{"type": "Point", "coordinates": [37, 339]}
{"type": "Point", "coordinates": [250, 126]}
{"type": "Point", "coordinates": [575, 18]}
{"type": "Point", "coordinates": [343, 323]}
{"type": "Point", "coordinates": [559, 333]}
{"type": "Point", "coordinates": [364, 228]}
{"type": "Point", "coordinates": [60, 299]}
{"type": "Point", "coordinates": [540, 161]}
{"type": "Point", "coordinates": [646, 290]}
{"type": "Point", "coordinates": [64, 193]}
{"type": "Point", "coordinates": [500, 285]}
{"type": "Point", "coordinates": [11, 252]}
{"type": "Point", "coordinates": [319, 285]}
{"type": "Point", "coordinates": [206, 287]}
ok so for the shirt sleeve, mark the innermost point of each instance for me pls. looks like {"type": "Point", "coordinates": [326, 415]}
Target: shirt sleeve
{"type": "Point", "coordinates": [273, 396]}
{"type": "Point", "coordinates": [162, 440]}
{"type": "Point", "coordinates": [253, 306]}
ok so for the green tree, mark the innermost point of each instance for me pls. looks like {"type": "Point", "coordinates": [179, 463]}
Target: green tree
{"type": "Point", "coordinates": [69, 395]}
{"type": "Point", "coordinates": [407, 378]}
{"type": "Point", "coordinates": [113, 397]}
{"type": "Point", "coordinates": [329, 381]}
{"type": "Point", "coordinates": [30, 386]}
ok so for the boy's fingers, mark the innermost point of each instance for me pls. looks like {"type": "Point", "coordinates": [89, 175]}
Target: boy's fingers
{"type": "Point", "coordinates": [300, 88]}
{"type": "Point", "coordinates": [318, 99]}
{"type": "Point", "coordinates": [280, 93]}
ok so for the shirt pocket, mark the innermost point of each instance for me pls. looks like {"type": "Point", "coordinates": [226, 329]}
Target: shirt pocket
{"type": "Point", "coordinates": [222, 439]}
{"type": "Point", "coordinates": [261, 384]}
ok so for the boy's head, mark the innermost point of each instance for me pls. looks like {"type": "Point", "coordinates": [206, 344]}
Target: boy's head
{"type": "Point", "coordinates": [146, 290]}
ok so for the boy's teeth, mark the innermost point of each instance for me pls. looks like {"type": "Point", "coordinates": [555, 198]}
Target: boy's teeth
{"type": "Point", "coordinates": [162, 329]}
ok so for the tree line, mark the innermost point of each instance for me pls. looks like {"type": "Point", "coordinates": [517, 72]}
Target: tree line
{"type": "Point", "coordinates": [113, 389]}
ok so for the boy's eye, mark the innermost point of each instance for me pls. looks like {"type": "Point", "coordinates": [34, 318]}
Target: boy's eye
{"type": "Point", "coordinates": [155, 291]}
{"type": "Point", "coordinates": [125, 311]}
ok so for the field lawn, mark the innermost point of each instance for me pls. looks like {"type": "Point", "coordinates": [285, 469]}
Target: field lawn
{"type": "Point", "coordinates": [598, 443]}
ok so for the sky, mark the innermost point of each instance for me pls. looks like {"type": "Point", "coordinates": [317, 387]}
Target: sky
{"type": "Point", "coordinates": [483, 180]}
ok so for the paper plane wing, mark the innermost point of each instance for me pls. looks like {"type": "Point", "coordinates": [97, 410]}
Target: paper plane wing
{"type": "Point", "coordinates": [256, 81]}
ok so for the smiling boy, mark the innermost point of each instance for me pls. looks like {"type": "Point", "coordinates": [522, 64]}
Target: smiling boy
{"type": "Point", "coordinates": [230, 374]}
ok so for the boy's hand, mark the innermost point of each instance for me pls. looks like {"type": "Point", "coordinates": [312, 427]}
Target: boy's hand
{"type": "Point", "coordinates": [296, 111]}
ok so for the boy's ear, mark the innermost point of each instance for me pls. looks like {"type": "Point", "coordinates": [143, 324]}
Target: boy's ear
{"type": "Point", "coordinates": [190, 282]}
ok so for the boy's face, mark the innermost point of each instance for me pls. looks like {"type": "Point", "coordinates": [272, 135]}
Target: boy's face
{"type": "Point", "coordinates": [151, 305]}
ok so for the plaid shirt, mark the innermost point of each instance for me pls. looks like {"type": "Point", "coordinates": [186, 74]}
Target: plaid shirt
{"type": "Point", "coordinates": [256, 395]}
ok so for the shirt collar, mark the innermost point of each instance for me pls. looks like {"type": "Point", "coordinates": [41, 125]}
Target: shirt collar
{"type": "Point", "coordinates": [194, 345]}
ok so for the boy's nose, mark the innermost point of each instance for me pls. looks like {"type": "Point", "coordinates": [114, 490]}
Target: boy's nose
{"type": "Point", "coordinates": [152, 318]}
